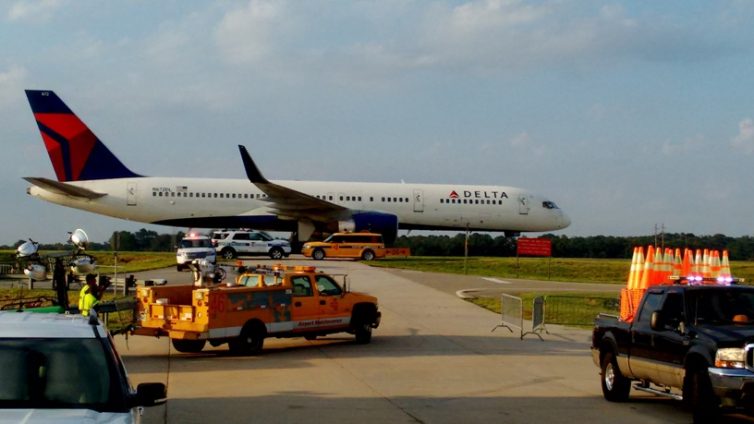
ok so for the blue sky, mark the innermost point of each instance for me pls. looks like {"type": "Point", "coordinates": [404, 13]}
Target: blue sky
{"type": "Point", "coordinates": [626, 114]}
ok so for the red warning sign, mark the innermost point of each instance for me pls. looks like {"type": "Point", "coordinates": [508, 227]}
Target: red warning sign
{"type": "Point", "coordinates": [534, 247]}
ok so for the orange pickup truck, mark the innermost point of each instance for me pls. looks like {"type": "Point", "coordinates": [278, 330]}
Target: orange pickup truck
{"type": "Point", "coordinates": [264, 302]}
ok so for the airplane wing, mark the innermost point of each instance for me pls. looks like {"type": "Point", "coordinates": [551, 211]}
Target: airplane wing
{"type": "Point", "coordinates": [63, 188]}
{"type": "Point", "coordinates": [288, 202]}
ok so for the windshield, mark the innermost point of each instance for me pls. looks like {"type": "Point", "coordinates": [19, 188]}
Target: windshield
{"type": "Point", "coordinates": [264, 236]}
{"type": "Point", "coordinates": [723, 307]}
{"type": "Point", "coordinates": [187, 243]}
{"type": "Point", "coordinates": [58, 373]}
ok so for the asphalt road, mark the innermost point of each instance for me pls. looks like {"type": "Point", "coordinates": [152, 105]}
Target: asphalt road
{"type": "Point", "coordinates": [434, 359]}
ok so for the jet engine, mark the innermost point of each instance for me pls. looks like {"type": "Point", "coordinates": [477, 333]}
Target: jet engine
{"type": "Point", "coordinates": [376, 222]}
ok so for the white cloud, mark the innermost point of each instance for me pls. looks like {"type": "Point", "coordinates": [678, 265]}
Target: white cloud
{"type": "Point", "coordinates": [249, 35]}
{"type": "Point", "coordinates": [690, 144]}
{"type": "Point", "coordinates": [38, 11]}
{"type": "Point", "coordinates": [745, 139]}
{"type": "Point", "coordinates": [523, 141]}
{"type": "Point", "coordinates": [11, 84]}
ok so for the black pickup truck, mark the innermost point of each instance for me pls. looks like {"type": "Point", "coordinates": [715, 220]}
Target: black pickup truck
{"type": "Point", "coordinates": [691, 343]}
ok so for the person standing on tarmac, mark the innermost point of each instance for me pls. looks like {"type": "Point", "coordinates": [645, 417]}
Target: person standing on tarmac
{"type": "Point", "coordinates": [89, 295]}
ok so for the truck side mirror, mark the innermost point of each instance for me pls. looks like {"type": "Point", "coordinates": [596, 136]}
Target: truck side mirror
{"type": "Point", "coordinates": [656, 322]}
{"type": "Point", "coordinates": [150, 394]}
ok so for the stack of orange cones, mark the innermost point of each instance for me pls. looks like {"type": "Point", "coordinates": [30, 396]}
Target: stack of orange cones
{"type": "Point", "coordinates": [658, 267]}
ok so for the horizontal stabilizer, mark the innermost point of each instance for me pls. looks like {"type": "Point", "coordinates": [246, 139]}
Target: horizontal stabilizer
{"type": "Point", "coordinates": [63, 188]}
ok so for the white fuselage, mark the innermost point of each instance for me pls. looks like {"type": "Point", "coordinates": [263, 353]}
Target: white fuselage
{"type": "Point", "coordinates": [417, 206]}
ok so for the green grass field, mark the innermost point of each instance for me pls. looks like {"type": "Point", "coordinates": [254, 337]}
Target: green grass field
{"type": "Point", "coordinates": [568, 309]}
{"type": "Point", "coordinates": [611, 271]}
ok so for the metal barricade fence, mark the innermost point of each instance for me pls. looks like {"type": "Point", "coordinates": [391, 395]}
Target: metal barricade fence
{"type": "Point", "coordinates": [512, 315]}
{"type": "Point", "coordinates": [578, 310]}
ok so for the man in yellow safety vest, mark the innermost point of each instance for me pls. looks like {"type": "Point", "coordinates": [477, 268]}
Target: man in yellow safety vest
{"type": "Point", "coordinates": [89, 295]}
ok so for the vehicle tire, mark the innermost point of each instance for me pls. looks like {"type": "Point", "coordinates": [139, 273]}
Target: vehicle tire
{"type": "Point", "coordinates": [276, 253]}
{"type": "Point", "coordinates": [318, 254]}
{"type": "Point", "coordinates": [615, 387]}
{"type": "Point", "coordinates": [229, 253]}
{"type": "Point", "coordinates": [698, 395]}
{"type": "Point", "coordinates": [361, 323]}
{"type": "Point", "coordinates": [188, 346]}
{"type": "Point", "coordinates": [367, 255]}
{"type": "Point", "coordinates": [250, 341]}
{"type": "Point", "coordinates": [179, 267]}
{"type": "Point", "coordinates": [363, 333]}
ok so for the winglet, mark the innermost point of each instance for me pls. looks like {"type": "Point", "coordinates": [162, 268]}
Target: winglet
{"type": "Point", "coordinates": [252, 172]}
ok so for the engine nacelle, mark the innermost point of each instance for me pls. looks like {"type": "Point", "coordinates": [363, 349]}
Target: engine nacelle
{"type": "Point", "coordinates": [376, 222]}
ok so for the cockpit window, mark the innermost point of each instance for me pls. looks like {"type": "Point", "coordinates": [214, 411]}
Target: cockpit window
{"type": "Point", "coordinates": [549, 205]}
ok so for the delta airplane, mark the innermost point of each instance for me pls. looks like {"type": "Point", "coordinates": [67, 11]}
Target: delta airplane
{"type": "Point", "coordinates": [91, 178]}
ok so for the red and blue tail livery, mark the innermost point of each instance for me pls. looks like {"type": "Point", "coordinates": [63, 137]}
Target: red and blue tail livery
{"type": "Point", "coordinates": [76, 153]}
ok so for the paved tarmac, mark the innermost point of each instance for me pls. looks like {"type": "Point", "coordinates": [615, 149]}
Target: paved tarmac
{"type": "Point", "coordinates": [434, 359]}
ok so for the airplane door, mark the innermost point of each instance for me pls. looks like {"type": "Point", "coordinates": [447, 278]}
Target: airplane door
{"type": "Point", "coordinates": [523, 204]}
{"type": "Point", "coordinates": [131, 194]}
{"type": "Point", "coordinates": [418, 201]}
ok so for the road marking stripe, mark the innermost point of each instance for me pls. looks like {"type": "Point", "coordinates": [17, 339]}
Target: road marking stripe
{"type": "Point", "coordinates": [495, 280]}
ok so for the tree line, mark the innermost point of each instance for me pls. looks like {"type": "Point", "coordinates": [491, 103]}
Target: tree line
{"type": "Point", "coordinates": [605, 247]}
{"type": "Point", "coordinates": [479, 244]}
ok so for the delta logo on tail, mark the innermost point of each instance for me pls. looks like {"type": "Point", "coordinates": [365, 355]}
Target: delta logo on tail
{"type": "Point", "coordinates": [76, 153]}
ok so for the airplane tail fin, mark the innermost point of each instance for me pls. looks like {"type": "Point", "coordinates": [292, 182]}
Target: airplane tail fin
{"type": "Point", "coordinates": [76, 153]}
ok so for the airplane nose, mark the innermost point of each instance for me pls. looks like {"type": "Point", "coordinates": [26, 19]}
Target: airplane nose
{"type": "Point", "coordinates": [564, 220]}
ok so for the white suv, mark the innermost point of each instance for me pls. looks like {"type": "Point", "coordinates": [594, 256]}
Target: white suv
{"type": "Point", "coordinates": [194, 246]}
{"type": "Point", "coordinates": [233, 243]}
{"type": "Point", "coordinates": [64, 368]}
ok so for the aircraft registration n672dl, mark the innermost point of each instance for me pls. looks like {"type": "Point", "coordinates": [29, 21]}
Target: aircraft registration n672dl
{"type": "Point", "coordinates": [90, 177]}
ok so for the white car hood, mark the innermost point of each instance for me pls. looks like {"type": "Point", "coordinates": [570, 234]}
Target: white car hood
{"type": "Point", "coordinates": [34, 416]}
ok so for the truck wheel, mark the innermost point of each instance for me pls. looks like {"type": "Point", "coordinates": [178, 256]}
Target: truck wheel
{"type": "Point", "coordinates": [368, 255]}
{"type": "Point", "coordinates": [318, 254]}
{"type": "Point", "coordinates": [363, 333]}
{"type": "Point", "coordinates": [250, 341]}
{"type": "Point", "coordinates": [179, 267]}
{"type": "Point", "coordinates": [188, 346]}
{"type": "Point", "coordinates": [698, 395]}
{"type": "Point", "coordinates": [615, 387]}
{"type": "Point", "coordinates": [276, 253]}
{"type": "Point", "coordinates": [228, 253]}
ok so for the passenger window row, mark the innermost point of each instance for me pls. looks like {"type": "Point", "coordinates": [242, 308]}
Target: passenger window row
{"type": "Point", "coordinates": [210, 195]}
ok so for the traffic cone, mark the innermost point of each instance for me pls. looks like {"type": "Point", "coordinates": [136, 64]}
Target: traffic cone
{"type": "Point", "coordinates": [630, 282]}
{"type": "Point", "coordinates": [714, 267]}
{"type": "Point", "coordinates": [677, 263]}
{"type": "Point", "coordinates": [725, 267]}
{"type": "Point", "coordinates": [688, 263]}
{"type": "Point", "coordinates": [696, 270]}
{"type": "Point", "coordinates": [705, 264]}
{"type": "Point", "coordinates": [647, 274]}
{"type": "Point", "coordinates": [659, 267]}
{"type": "Point", "coordinates": [667, 265]}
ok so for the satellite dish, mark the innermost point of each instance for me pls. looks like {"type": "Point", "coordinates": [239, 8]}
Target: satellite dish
{"type": "Point", "coordinates": [80, 239]}
{"type": "Point", "coordinates": [36, 272]}
{"type": "Point", "coordinates": [83, 265]}
{"type": "Point", "coordinates": [28, 249]}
